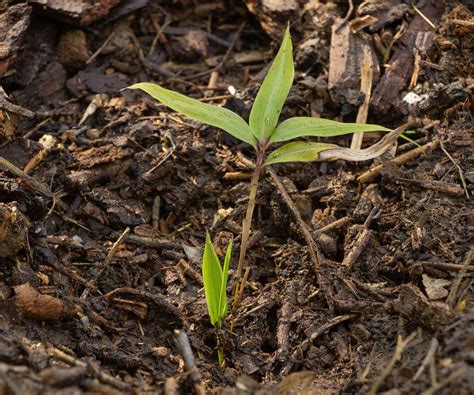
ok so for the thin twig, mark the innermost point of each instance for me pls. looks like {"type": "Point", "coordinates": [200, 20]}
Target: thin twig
{"type": "Point", "coordinates": [107, 260]}
{"type": "Point", "coordinates": [372, 173]}
{"type": "Point", "coordinates": [328, 325]}
{"type": "Point", "coordinates": [457, 374]}
{"type": "Point", "coordinates": [314, 252]}
{"type": "Point", "coordinates": [104, 377]}
{"type": "Point", "coordinates": [348, 15]}
{"type": "Point", "coordinates": [101, 48]}
{"type": "Point", "coordinates": [429, 355]}
{"type": "Point", "coordinates": [401, 345]}
{"type": "Point", "coordinates": [184, 347]}
{"type": "Point", "coordinates": [339, 223]}
{"type": "Point", "coordinates": [425, 18]}
{"type": "Point", "coordinates": [35, 184]}
{"type": "Point", "coordinates": [222, 63]}
{"type": "Point", "coordinates": [461, 175]}
{"type": "Point", "coordinates": [366, 77]}
{"type": "Point", "coordinates": [449, 266]}
{"type": "Point", "coordinates": [451, 299]}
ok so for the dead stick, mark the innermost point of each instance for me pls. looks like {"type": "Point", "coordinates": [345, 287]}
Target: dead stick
{"type": "Point", "coordinates": [108, 259]}
{"type": "Point", "coordinates": [457, 374]}
{"type": "Point", "coordinates": [104, 377]}
{"type": "Point", "coordinates": [372, 173]}
{"type": "Point", "coordinates": [101, 48]}
{"type": "Point", "coordinates": [451, 299]}
{"type": "Point", "coordinates": [449, 266]}
{"type": "Point", "coordinates": [348, 15]}
{"type": "Point", "coordinates": [401, 345]}
{"type": "Point", "coordinates": [359, 246]}
{"type": "Point", "coordinates": [315, 254]}
{"type": "Point", "coordinates": [334, 225]}
{"type": "Point", "coordinates": [366, 76]}
{"type": "Point", "coordinates": [361, 242]}
{"type": "Point", "coordinates": [461, 175]}
{"type": "Point", "coordinates": [35, 184]}
{"type": "Point", "coordinates": [224, 59]}
{"type": "Point", "coordinates": [429, 355]}
{"type": "Point", "coordinates": [328, 325]}
{"type": "Point", "coordinates": [184, 347]}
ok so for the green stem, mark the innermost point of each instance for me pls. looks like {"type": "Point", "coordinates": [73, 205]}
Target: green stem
{"type": "Point", "coordinates": [247, 222]}
{"type": "Point", "coordinates": [220, 351]}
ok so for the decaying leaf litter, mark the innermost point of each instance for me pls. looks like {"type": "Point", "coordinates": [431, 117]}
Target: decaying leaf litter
{"type": "Point", "coordinates": [361, 274]}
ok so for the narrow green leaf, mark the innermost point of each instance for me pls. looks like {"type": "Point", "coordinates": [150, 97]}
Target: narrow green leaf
{"type": "Point", "coordinates": [225, 273]}
{"type": "Point", "coordinates": [202, 112]}
{"type": "Point", "coordinates": [212, 277]}
{"type": "Point", "coordinates": [273, 92]}
{"type": "Point", "coordinates": [298, 151]}
{"type": "Point", "coordinates": [318, 127]}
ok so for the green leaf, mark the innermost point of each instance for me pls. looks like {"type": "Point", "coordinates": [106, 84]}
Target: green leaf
{"type": "Point", "coordinates": [202, 112]}
{"type": "Point", "coordinates": [298, 151]}
{"type": "Point", "coordinates": [225, 272]}
{"type": "Point", "coordinates": [319, 127]}
{"type": "Point", "coordinates": [212, 277]}
{"type": "Point", "coordinates": [273, 92]}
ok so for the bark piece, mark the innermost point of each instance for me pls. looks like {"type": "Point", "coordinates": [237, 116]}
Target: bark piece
{"type": "Point", "coordinates": [47, 89]}
{"type": "Point", "coordinates": [418, 308]}
{"type": "Point", "coordinates": [435, 287]}
{"type": "Point", "coordinates": [78, 12]}
{"type": "Point", "coordinates": [13, 25]}
{"type": "Point", "coordinates": [191, 47]}
{"type": "Point", "coordinates": [37, 51]}
{"type": "Point", "coordinates": [385, 11]}
{"type": "Point", "coordinates": [13, 230]}
{"type": "Point", "coordinates": [44, 307]}
{"type": "Point", "coordinates": [93, 80]}
{"type": "Point", "coordinates": [387, 93]}
{"type": "Point", "coordinates": [274, 14]}
{"type": "Point", "coordinates": [345, 62]}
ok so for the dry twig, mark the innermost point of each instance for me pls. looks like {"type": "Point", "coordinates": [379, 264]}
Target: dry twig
{"type": "Point", "coordinates": [372, 173]}
{"type": "Point", "coordinates": [401, 345]}
{"type": "Point", "coordinates": [104, 377]}
{"type": "Point", "coordinates": [315, 254]}
{"type": "Point", "coordinates": [108, 259]}
{"type": "Point", "coordinates": [184, 347]}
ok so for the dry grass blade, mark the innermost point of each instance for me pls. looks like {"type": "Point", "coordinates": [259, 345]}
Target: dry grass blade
{"type": "Point", "coordinates": [371, 152]}
{"type": "Point", "coordinates": [366, 77]}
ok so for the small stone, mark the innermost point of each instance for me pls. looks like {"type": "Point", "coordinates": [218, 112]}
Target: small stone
{"type": "Point", "coordinates": [72, 49]}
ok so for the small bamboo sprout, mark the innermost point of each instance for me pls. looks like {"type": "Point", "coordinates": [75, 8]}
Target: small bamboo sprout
{"type": "Point", "coordinates": [263, 131]}
{"type": "Point", "coordinates": [215, 283]}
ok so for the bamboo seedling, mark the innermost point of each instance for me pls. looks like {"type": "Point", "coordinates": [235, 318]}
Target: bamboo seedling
{"type": "Point", "coordinates": [215, 283]}
{"type": "Point", "coordinates": [263, 131]}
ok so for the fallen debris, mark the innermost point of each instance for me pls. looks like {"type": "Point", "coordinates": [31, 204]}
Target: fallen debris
{"type": "Point", "coordinates": [43, 307]}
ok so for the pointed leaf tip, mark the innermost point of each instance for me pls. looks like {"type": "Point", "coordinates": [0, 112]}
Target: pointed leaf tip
{"type": "Point", "coordinates": [318, 127]}
{"type": "Point", "coordinates": [212, 278]}
{"type": "Point", "coordinates": [273, 92]}
{"type": "Point", "coordinates": [203, 112]}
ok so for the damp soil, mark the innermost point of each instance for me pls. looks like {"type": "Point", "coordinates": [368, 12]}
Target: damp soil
{"type": "Point", "coordinates": [106, 196]}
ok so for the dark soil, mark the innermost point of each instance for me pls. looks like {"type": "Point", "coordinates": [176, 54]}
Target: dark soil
{"type": "Point", "coordinates": [104, 213]}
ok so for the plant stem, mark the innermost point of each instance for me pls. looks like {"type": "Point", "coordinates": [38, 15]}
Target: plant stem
{"type": "Point", "coordinates": [220, 350]}
{"type": "Point", "coordinates": [247, 222]}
